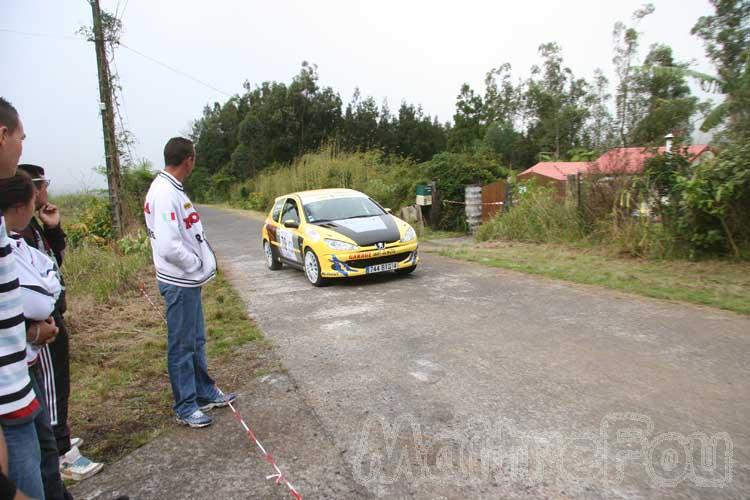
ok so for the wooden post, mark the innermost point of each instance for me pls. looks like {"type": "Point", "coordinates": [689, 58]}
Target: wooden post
{"type": "Point", "coordinates": [112, 157]}
{"type": "Point", "coordinates": [435, 207]}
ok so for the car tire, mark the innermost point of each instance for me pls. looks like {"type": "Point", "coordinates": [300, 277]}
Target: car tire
{"type": "Point", "coordinates": [272, 257]}
{"type": "Point", "coordinates": [406, 270]}
{"type": "Point", "coordinates": [312, 268]}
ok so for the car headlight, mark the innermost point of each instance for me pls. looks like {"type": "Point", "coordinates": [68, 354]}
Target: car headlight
{"type": "Point", "coordinates": [339, 245]}
{"type": "Point", "coordinates": [409, 235]}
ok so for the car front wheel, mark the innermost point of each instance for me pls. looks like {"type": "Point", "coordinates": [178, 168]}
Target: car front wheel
{"type": "Point", "coordinates": [272, 260]}
{"type": "Point", "coordinates": [312, 268]}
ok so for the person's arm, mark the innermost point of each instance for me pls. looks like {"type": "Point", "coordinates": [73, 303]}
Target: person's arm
{"type": "Point", "coordinates": [169, 244]}
{"type": "Point", "coordinates": [53, 232]}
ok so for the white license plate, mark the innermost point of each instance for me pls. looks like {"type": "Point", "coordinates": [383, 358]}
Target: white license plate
{"type": "Point", "coordinates": [379, 268]}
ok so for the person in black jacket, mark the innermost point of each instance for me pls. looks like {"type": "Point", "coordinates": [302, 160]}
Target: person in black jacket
{"type": "Point", "coordinates": [49, 238]}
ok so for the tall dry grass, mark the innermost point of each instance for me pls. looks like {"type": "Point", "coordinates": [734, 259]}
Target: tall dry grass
{"type": "Point", "coordinates": [390, 181]}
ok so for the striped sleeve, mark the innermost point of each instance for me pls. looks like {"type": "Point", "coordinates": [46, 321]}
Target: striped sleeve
{"type": "Point", "coordinates": [16, 395]}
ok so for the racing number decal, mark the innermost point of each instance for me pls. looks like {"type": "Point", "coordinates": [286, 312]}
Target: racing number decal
{"type": "Point", "coordinates": [286, 244]}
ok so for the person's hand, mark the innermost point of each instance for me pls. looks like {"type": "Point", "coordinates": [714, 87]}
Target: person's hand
{"type": "Point", "coordinates": [50, 215]}
{"type": "Point", "coordinates": [47, 332]}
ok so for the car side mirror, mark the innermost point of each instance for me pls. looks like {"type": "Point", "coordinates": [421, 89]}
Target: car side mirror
{"type": "Point", "coordinates": [388, 211]}
{"type": "Point", "coordinates": [291, 223]}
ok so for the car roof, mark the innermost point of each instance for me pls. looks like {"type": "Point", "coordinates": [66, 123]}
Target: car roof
{"type": "Point", "coordinates": [325, 194]}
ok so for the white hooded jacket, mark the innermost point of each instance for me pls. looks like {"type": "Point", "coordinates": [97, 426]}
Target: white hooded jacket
{"type": "Point", "coordinates": [182, 255]}
{"type": "Point", "coordinates": [40, 286]}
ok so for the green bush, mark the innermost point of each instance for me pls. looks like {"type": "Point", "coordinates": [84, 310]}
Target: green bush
{"type": "Point", "coordinates": [92, 224]}
{"type": "Point", "coordinates": [538, 217]}
{"type": "Point", "coordinates": [705, 207]}
{"type": "Point", "coordinates": [135, 182]}
{"type": "Point", "coordinates": [453, 172]}
{"type": "Point", "coordinates": [135, 243]}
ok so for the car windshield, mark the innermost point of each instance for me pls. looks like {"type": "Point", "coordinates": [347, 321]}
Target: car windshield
{"type": "Point", "coordinates": [341, 208]}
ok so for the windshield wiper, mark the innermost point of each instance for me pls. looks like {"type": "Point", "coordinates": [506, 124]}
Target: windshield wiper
{"type": "Point", "coordinates": [319, 221]}
{"type": "Point", "coordinates": [362, 216]}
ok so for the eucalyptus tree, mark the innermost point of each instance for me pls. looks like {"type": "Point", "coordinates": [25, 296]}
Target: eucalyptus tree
{"type": "Point", "coordinates": [626, 40]}
{"type": "Point", "coordinates": [555, 102]}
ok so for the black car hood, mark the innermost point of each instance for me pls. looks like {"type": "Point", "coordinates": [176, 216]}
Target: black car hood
{"type": "Point", "coordinates": [366, 231]}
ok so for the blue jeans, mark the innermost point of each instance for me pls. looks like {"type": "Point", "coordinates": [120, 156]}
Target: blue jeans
{"type": "Point", "coordinates": [24, 458]}
{"type": "Point", "coordinates": [50, 459]}
{"type": "Point", "coordinates": [186, 354]}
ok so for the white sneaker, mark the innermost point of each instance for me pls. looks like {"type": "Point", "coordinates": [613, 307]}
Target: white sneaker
{"type": "Point", "coordinates": [76, 442]}
{"type": "Point", "coordinates": [75, 466]}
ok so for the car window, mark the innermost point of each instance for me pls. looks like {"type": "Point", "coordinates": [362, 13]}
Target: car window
{"type": "Point", "coordinates": [341, 208]}
{"type": "Point", "coordinates": [290, 211]}
{"type": "Point", "coordinates": [277, 210]}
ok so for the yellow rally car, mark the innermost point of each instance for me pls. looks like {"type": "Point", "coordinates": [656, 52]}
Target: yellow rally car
{"type": "Point", "coordinates": [337, 233]}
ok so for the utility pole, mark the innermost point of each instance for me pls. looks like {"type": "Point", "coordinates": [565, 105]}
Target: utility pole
{"type": "Point", "coordinates": [111, 154]}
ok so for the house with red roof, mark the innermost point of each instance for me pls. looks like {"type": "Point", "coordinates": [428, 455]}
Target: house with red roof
{"type": "Point", "coordinates": [632, 160]}
{"type": "Point", "coordinates": [617, 161]}
{"type": "Point", "coordinates": [554, 173]}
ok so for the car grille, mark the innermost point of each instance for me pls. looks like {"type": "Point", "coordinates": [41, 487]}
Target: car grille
{"type": "Point", "coordinates": [363, 263]}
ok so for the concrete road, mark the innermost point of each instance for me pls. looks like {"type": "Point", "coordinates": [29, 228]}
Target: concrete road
{"type": "Point", "coordinates": [463, 381]}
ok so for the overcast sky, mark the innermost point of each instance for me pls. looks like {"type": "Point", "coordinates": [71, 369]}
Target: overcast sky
{"type": "Point", "coordinates": [417, 51]}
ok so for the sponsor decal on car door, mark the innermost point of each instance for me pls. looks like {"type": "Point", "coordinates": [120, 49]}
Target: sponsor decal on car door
{"type": "Point", "coordinates": [286, 244]}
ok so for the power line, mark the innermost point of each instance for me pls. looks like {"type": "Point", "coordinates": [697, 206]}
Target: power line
{"type": "Point", "coordinates": [41, 35]}
{"type": "Point", "coordinates": [175, 70]}
{"type": "Point", "coordinates": [170, 68]}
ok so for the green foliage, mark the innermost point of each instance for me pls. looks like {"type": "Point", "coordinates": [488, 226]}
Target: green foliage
{"type": "Point", "coordinates": [716, 202]}
{"type": "Point", "coordinates": [555, 100]}
{"type": "Point", "coordinates": [468, 124]}
{"type": "Point", "coordinates": [251, 201]}
{"type": "Point", "coordinates": [626, 51]}
{"type": "Point", "coordinates": [726, 35]}
{"type": "Point", "coordinates": [137, 179]}
{"type": "Point", "coordinates": [453, 172]}
{"type": "Point", "coordinates": [538, 217]}
{"type": "Point", "coordinates": [390, 181]}
{"type": "Point", "coordinates": [135, 243]}
{"type": "Point", "coordinates": [663, 97]}
{"type": "Point", "coordinates": [673, 210]}
{"type": "Point", "coordinates": [274, 124]}
{"type": "Point", "coordinates": [135, 182]}
{"type": "Point", "coordinates": [93, 224]}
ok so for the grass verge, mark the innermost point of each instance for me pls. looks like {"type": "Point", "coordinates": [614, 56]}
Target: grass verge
{"type": "Point", "coordinates": [722, 284]}
{"type": "Point", "coordinates": [120, 394]}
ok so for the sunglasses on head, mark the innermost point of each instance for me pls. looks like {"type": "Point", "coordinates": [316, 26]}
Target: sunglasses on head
{"type": "Point", "coordinates": [41, 182]}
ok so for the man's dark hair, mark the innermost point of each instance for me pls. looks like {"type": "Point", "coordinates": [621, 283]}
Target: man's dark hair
{"type": "Point", "coordinates": [15, 190]}
{"type": "Point", "coordinates": [35, 171]}
{"type": "Point", "coordinates": [177, 150]}
{"type": "Point", "coordinates": [8, 115]}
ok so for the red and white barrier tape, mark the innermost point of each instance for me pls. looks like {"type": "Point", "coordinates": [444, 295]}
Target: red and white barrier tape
{"type": "Point", "coordinates": [142, 288]}
{"type": "Point", "coordinates": [279, 476]}
{"type": "Point", "coordinates": [464, 203]}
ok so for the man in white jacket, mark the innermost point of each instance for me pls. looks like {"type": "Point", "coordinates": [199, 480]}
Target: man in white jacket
{"type": "Point", "coordinates": [184, 261]}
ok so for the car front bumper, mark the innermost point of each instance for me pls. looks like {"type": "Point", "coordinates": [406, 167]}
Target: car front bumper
{"type": "Point", "coordinates": [359, 263]}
